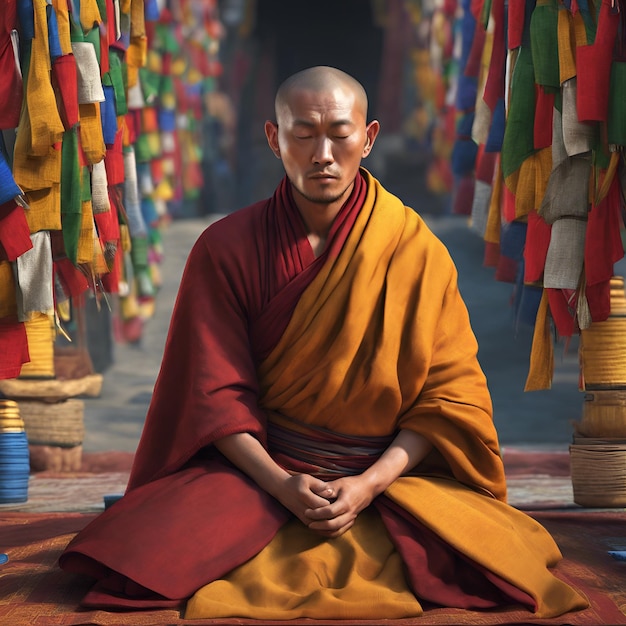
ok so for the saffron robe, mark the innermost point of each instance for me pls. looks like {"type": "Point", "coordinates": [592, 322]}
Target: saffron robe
{"type": "Point", "coordinates": [369, 338]}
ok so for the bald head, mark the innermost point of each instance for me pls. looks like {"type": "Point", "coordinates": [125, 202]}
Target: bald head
{"type": "Point", "coordinates": [320, 79]}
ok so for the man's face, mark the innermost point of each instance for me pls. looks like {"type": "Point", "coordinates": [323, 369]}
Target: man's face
{"type": "Point", "coordinates": [321, 139]}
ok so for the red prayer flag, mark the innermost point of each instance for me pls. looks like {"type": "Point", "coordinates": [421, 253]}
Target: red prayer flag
{"type": "Point", "coordinates": [544, 107]}
{"type": "Point", "coordinates": [603, 242]}
{"type": "Point", "coordinates": [66, 78]}
{"type": "Point", "coordinates": [14, 230]}
{"type": "Point", "coordinates": [14, 347]}
{"type": "Point", "coordinates": [536, 248]}
{"type": "Point", "coordinates": [593, 66]}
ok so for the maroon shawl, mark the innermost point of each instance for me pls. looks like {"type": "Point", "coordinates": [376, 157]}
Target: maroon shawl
{"type": "Point", "coordinates": [240, 285]}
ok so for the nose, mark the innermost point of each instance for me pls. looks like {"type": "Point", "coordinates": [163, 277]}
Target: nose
{"type": "Point", "coordinates": [323, 152]}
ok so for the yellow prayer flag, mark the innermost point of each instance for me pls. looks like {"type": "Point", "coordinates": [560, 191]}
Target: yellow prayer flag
{"type": "Point", "coordinates": [567, 45]}
{"type": "Point", "coordinates": [45, 208]}
{"type": "Point", "coordinates": [46, 127]}
{"type": "Point", "coordinates": [84, 253]}
{"type": "Point", "coordinates": [63, 21]}
{"type": "Point", "coordinates": [91, 137]}
{"type": "Point", "coordinates": [8, 303]}
{"type": "Point", "coordinates": [89, 14]}
{"type": "Point", "coordinates": [542, 352]}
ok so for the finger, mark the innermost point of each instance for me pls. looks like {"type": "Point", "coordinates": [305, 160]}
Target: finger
{"type": "Point", "coordinates": [315, 502]}
{"type": "Point", "coordinates": [329, 529]}
{"type": "Point", "coordinates": [325, 492]}
{"type": "Point", "coordinates": [325, 512]}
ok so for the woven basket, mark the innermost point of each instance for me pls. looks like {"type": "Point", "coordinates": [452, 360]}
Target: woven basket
{"type": "Point", "coordinates": [604, 414]}
{"type": "Point", "coordinates": [603, 345]}
{"type": "Point", "coordinates": [598, 471]}
{"type": "Point", "coordinates": [59, 424]}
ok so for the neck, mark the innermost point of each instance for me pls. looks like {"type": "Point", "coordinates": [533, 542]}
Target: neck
{"type": "Point", "coordinates": [318, 217]}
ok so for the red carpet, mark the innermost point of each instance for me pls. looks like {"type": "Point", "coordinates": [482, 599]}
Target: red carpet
{"type": "Point", "coordinates": [33, 591]}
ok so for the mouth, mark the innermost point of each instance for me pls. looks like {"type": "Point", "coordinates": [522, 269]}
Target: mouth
{"type": "Point", "coordinates": [322, 176]}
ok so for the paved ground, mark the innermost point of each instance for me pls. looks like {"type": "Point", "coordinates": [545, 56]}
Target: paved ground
{"type": "Point", "coordinates": [535, 419]}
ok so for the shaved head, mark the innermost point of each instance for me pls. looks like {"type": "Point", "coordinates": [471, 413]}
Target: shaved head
{"type": "Point", "coordinates": [321, 134]}
{"type": "Point", "coordinates": [320, 79]}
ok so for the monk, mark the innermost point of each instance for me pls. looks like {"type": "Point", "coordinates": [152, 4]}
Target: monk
{"type": "Point", "coordinates": [320, 442]}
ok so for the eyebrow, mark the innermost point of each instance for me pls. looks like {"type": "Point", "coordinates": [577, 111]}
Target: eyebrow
{"type": "Point", "coordinates": [309, 124]}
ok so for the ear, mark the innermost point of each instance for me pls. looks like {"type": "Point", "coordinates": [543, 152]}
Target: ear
{"type": "Point", "coordinates": [271, 132]}
{"type": "Point", "coordinates": [371, 132]}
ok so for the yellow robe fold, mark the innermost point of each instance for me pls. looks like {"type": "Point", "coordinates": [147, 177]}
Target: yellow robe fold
{"type": "Point", "coordinates": [381, 341]}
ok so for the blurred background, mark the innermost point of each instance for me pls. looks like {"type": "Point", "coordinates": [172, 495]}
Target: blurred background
{"type": "Point", "coordinates": [186, 86]}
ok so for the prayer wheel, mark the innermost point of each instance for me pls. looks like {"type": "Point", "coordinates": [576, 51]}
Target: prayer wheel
{"type": "Point", "coordinates": [14, 455]}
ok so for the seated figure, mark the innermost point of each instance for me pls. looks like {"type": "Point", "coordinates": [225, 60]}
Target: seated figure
{"type": "Point", "coordinates": [320, 442]}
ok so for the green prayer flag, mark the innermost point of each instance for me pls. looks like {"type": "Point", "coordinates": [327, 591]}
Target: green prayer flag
{"type": "Point", "coordinates": [544, 43]}
{"type": "Point", "coordinates": [93, 36]}
{"type": "Point", "coordinates": [518, 142]}
{"type": "Point", "coordinates": [616, 121]}
{"type": "Point", "coordinates": [150, 83]}
{"type": "Point", "coordinates": [115, 78]}
{"type": "Point", "coordinates": [85, 180]}
{"type": "Point", "coordinates": [71, 203]}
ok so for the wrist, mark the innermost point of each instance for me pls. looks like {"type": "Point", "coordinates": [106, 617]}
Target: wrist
{"type": "Point", "coordinates": [375, 481]}
{"type": "Point", "coordinates": [273, 481]}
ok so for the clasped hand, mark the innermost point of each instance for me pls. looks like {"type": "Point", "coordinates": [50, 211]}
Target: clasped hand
{"type": "Point", "coordinates": [327, 508]}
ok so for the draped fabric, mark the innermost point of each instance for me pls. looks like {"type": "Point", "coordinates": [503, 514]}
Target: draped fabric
{"type": "Point", "coordinates": [273, 265]}
{"type": "Point", "coordinates": [36, 158]}
{"type": "Point", "coordinates": [12, 331]}
{"type": "Point", "coordinates": [10, 74]}
{"type": "Point", "coordinates": [407, 359]}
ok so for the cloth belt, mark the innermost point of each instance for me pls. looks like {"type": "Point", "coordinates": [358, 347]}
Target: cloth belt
{"type": "Point", "coordinates": [325, 453]}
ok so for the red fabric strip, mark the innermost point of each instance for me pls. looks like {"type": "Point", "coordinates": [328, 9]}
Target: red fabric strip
{"type": "Point", "coordinates": [599, 300]}
{"type": "Point", "coordinates": [517, 9]}
{"type": "Point", "coordinates": [65, 76]}
{"type": "Point", "coordinates": [14, 344]}
{"type": "Point", "coordinates": [603, 242]}
{"type": "Point", "coordinates": [114, 160]}
{"type": "Point", "coordinates": [14, 231]}
{"type": "Point", "coordinates": [544, 107]}
{"type": "Point", "coordinates": [494, 86]}
{"type": "Point", "coordinates": [536, 248]}
{"type": "Point", "coordinates": [485, 165]}
{"type": "Point", "coordinates": [563, 307]}
{"type": "Point", "coordinates": [12, 86]}
{"type": "Point", "coordinates": [107, 223]}
{"type": "Point", "coordinates": [72, 279]}
{"type": "Point", "coordinates": [593, 66]}
{"type": "Point", "coordinates": [472, 65]}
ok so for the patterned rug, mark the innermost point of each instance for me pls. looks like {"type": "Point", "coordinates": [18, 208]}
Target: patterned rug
{"type": "Point", "coordinates": [34, 591]}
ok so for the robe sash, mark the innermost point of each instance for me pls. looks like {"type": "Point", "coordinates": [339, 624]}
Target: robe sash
{"type": "Point", "coordinates": [320, 452]}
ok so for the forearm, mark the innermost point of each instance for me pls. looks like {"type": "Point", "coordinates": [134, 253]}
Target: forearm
{"type": "Point", "coordinates": [298, 493]}
{"type": "Point", "coordinates": [403, 454]}
{"type": "Point", "coordinates": [247, 453]}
